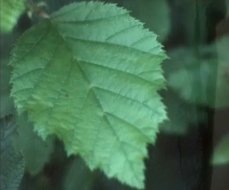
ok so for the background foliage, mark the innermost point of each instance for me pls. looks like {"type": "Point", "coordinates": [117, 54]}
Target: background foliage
{"type": "Point", "coordinates": [195, 35]}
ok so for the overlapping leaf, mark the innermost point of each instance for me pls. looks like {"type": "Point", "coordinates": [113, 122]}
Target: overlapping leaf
{"type": "Point", "coordinates": [155, 14]}
{"type": "Point", "coordinates": [181, 114]}
{"type": "Point", "coordinates": [10, 10]}
{"type": "Point", "coordinates": [6, 102]}
{"type": "Point", "coordinates": [36, 152]}
{"type": "Point", "coordinates": [78, 176]}
{"type": "Point", "coordinates": [196, 79]}
{"type": "Point", "coordinates": [90, 74]}
{"type": "Point", "coordinates": [12, 162]}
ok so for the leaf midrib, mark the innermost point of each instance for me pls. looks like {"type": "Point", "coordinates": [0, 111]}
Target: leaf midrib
{"type": "Point", "coordinates": [101, 107]}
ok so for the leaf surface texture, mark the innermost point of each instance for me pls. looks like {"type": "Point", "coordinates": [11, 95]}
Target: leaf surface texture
{"type": "Point", "coordinates": [90, 74]}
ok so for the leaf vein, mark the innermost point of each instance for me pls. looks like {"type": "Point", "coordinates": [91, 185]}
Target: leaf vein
{"type": "Point", "coordinates": [129, 98]}
{"type": "Point", "coordinates": [29, 72]}
{"type": "Point", "coordinates": [110, 44]}
{"type": "Point", "coordinates": [134, 126]}
{"type": "Point", "coordinates": [140, 40]}
{"type": "Point", "coordinates": [91, 21]}
{"type": "Point", "coordinates": [124, 152]}
{"type": "Point", "coordinates": [118, 70]}
{"type": "Point", "coordinates": [121, 31]}
{"type": "Point", "coordinates": [36, 44]}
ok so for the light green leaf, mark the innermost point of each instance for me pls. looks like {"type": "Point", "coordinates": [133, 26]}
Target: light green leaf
{"type": "Point", "coordinates": [221, 152]}
{"type": "Point", "coordinates": [90, 74]}
{"type": "Point", "coordinates": [10, 11]}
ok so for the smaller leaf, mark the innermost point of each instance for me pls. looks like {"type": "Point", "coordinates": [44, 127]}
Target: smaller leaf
{"type": "Point", "coordinates": [78, 176]}
{"type": "Point", "coordinates": [196, 80]}
{"type": "Point", "coordinates": [36, 152]}
{"type": "Point", "coordinates": [155, 15]}
{"type": "Point", "coordinates": [12, 163]}
{"type": "Point", "coordinates": [10, 12]}
{"type": "Point", "coordinates": [181, 114]}
{"type": "Point", "coordinates": [227, 5]}
{"type": "Point", "coordinates": [222, 85]}
{"type": "Point", "coordinates": [6, 102]}
{"type": "Point", "coordinates": [221, 152]}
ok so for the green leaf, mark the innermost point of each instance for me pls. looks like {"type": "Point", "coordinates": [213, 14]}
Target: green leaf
{"type": "Point", "coordinates": [6, 102]}
{"type": "Point", "coordinates": [227, 5]}
{"type": "Point", "coordinates": [181, 114]}
{"type": "Point", "coordinates": [10, 11]}
{"type": "Point", "coordinates": [90, 74]}
{"type": "Point", "coordinates": [155, 14]}
{"type": "Point", "coordinates": [78, 176]}
{"type": "Point", "coordinates": [221, 152]}
{"type": "Point", "coordinates": [12, 162]}
{"type": "Point", "coordinates": [199, 84]}
{"type": "Point", "coordinates": [36, 152]}
{"type": "Point", "coordinates": [222, 88]}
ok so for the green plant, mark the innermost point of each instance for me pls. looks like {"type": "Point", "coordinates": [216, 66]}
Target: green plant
{"type": "Point", "coordinates": [10, 12]}
{"type": "Point", "coordinates": [91, 77]}
{"type": "Point", "coordinates": [89, 74]}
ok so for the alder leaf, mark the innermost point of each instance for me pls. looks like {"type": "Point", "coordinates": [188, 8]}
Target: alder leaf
{"type": "Point", "coordinates": [10, 11]}
{"type": "Point", "coordinates": [90, 75]}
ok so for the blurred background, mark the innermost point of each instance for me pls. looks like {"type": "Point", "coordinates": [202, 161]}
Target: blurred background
{"type": "Point", "coordinates": [192, 149]}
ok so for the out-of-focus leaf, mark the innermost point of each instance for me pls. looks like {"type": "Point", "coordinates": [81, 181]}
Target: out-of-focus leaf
{"type": "Point", "coordinates": [155, 14]}
{"type": "Point", "coordinates": [78, 176]}
{"type": "Point", "coordinates": [10, 11]}
{"type": "Point", "coordinates": [221, 152]}
{"type": "Point", "coordinates": [181, 114]}
{"type": "Point", "coordinates": [222, 87]}
{"type": "Point", "coordinates": [227, 4]}
{"type": "Point", "coordinates": [6, 102]}
{"type": "Point", "coordinates": [36, 151]}
{"type": "Point", "coordinates": [12, 163]}
{"type": "Point", "coordinates": [194, 79]}
{"type": "Point", "coordinates": [94, 84]}
{"type": "Point", "coordinates": [186, 82]}
{"type": "Point", "coordinates": [196, 15]}
{"type": "Point", "coordinates": [222, 50]}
